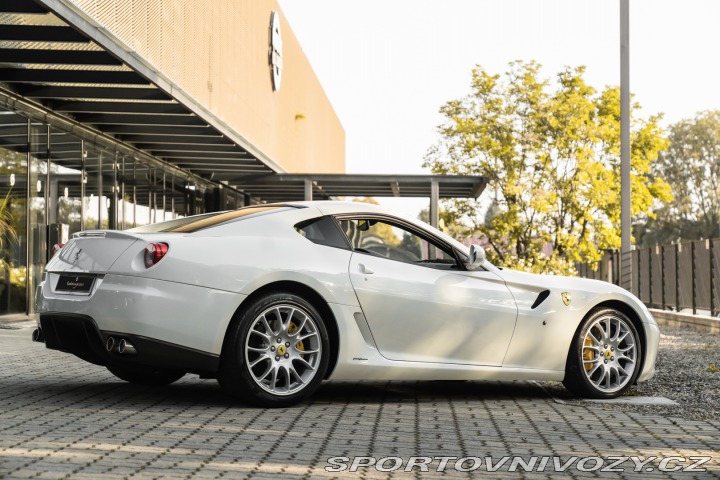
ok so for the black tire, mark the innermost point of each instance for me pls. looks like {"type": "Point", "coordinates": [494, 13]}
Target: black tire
{"type": "Point", "coordinates": [238, 379]}
{"type": "Point", "coordinates": [578, 378]}
{"type": "Point", "coordinates": [146, 377]}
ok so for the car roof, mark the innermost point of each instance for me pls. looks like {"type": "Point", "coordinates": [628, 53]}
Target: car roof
{"type": "Point", "coordinates": [332, 207]}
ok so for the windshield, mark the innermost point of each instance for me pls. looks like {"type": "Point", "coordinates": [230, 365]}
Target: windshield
{"type": "Point", "coordinates": [205, 220]}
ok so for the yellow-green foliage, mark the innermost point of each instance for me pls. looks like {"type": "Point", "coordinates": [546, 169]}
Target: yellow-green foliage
{"type": "Point", "coordinates": [552, 157]}
{"type": "Point", "coordinates": [7, 231]}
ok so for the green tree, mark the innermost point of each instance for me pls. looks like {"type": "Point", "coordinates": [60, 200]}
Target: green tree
{"type": "Point", "coordinates": [691, 165]}
{"type": "Point", "coordinates": [551, 155]}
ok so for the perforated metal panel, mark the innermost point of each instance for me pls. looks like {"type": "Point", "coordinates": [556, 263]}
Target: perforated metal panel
{"type": "Point", "coordinates": [217, 50]}
{"type": "Point", "coordinates": [27, 19]}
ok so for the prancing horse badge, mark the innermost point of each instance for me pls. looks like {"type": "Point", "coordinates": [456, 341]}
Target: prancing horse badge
{"type": "Point", "coordinates": [567, 298]}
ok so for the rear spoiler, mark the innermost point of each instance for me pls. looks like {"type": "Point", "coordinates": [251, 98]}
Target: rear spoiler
{"type": "Point", "coordinates": [104, 234]}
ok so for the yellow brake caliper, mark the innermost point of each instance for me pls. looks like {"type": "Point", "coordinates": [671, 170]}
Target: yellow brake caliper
{"type": "Point", "coordinates": [588, 354]}
{"type": "Point", "coordinates": [292, 328]}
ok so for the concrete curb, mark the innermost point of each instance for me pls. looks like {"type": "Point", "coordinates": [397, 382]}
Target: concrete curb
{"type": "Point", "coordinates": [15, 318]}
{"type": "Point", "coordinates": [674, 319]}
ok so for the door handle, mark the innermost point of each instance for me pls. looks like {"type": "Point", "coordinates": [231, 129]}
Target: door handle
{"type": "Point", "coordinates": [366, 270]}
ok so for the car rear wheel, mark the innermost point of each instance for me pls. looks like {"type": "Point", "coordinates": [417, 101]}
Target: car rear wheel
{"type": "Point", "coordinates": [146, 377]}
{"type": "Point", "coordinates": [604, 359]}
{"type": "Point", "coordinates": [277, 353]}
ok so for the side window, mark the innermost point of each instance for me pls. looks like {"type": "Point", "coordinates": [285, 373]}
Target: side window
{"type": "Point", "coordinates": [377, 237]}
{"type": "Point", "coordinates": [322, 231]}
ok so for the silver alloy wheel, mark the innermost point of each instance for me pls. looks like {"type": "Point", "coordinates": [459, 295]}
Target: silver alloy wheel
{"type": "Point", "coordinates": [609, 353]}
{"type": "Point", "coordinates": [283, 349]}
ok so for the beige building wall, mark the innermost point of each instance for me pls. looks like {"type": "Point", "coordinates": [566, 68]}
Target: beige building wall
{"type": "Point", "coordinates": [217, 51]}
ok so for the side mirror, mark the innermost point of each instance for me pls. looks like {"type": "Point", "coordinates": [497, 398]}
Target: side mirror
{"type": "Point", "coordinates": [476, 258]}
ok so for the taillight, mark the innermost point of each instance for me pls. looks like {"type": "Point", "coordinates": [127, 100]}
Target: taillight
{"type": "Point", "coordinates": [154, 253]}
{"type": "Point", "coordinates": [56, 248]}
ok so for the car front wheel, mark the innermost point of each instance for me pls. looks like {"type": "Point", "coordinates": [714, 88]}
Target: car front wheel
{"type": "Point", "coordinates": [277, 353]}
{"type": "Point", "coordinates": [604, 359]}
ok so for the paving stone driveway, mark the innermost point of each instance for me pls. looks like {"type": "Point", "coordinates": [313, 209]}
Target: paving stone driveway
{"type": "Point", "coordinates": [63, 418]}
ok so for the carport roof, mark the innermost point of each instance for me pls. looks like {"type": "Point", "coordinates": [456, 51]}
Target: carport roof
{"type": "Point", "coordinates": [287, 187]}
{"type": "Point", "coordinates": [56, 57]}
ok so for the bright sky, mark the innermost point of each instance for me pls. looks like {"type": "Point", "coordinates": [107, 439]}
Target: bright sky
{"type": "Point", "coordinates": [388, 65]}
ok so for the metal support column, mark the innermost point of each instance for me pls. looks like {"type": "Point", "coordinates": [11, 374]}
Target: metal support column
{"type": "Point", "coordinates": [154, 196]}
{"type": "Point", "coordinates": [163, 203]}
{"type": "Point", "coordinates": [308, 190]}
{"type": "Point", "coordinates": [625, 214]}
{"type": "Point", "coordinates": [134, 197]}
{"type": "Point", "coordinates": [172, 197]}
{"type": "Point", "coordinates": [151, 183]}
{"type": "Point", "coordinates": [114, 207]}
{"type": "Point", "coordinates": [83, 180]}
{"type": "Point", "coordinates": [99, 190]}
{"type": "Point", "coordinates": [434, 199]}
{"type": "Point", "coordinates": [122, 193]}
{"type": "Point", "coordinates": [47, 196]}
{"type": "Point", "coordinates": [28, 226]}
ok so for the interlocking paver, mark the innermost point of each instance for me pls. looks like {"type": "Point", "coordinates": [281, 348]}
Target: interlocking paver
{"type": "Point", "coordinates": [63, 418]}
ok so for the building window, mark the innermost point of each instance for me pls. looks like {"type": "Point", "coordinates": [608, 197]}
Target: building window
{"type": "Point", "coordinates": [72, 185]}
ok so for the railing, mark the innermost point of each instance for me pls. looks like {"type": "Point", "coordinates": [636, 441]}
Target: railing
{"type": "Point", "coordinates": [677, 277]}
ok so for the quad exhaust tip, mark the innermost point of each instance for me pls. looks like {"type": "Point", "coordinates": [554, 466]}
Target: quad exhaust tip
{"type": "Point", "coordinates": [122, 346]}
{"type": "Point", "coordinates": [125, 348]}
{"type": "Point", "coordinates": [37, 336]}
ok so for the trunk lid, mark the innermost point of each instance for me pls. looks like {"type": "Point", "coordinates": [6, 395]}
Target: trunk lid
{"type": "Point", "coordinates": [92, 251]}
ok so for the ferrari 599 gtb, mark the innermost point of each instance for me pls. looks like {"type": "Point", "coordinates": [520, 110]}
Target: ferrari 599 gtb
{"type": "Point", "coordinates": [273, 299]}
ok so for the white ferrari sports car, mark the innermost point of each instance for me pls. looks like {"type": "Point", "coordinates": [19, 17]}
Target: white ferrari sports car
{"type": "Point", "coordinates": [273, 299]}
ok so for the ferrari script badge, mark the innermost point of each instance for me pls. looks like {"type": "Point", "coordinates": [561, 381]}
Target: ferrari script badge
{"type": "Point", "coordinates": [567, 298]}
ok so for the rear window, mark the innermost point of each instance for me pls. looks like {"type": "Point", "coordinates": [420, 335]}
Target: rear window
{"type": "Point", "coordinates": [206, 220]}
{"type": "Point", "coordinates": [323, 231]}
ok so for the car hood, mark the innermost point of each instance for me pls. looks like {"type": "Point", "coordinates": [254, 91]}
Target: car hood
{"type": "Point", "coordinates": [558, 281]}
{"type": "Point", "coordinates": [584, 293]}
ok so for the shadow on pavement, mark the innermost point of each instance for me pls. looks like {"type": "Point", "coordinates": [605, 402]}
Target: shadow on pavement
{"type": "Point", "coordinates": [191, 391]}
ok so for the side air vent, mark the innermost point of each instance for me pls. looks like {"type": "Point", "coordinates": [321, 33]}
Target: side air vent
{"type": "Point", "coordinates": [541, 298]}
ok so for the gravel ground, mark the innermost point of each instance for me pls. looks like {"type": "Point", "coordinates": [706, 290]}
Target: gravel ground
{"type": "Point", "coordinates": [688, 371]}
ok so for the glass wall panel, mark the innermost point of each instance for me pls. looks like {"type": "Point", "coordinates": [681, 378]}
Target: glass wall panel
{"type": "Point", "coordinates": [106, 207]}
{"type": "Point", "coordinates": [176, 198]}
{"type": "Point", "coordinates": [162, 197]}
{"type": "Point", "coordinates": [143, 213]}
{"type": "Point", "coordinates": [53, 184]}
{"type": "Point", "coordinates": [91, 204]}
{"type": "Point", "coordinates": [13, 202]}
{"type": "Point", "coordinates": [124, 206]}
{"type": "Point", "coordinates": [37, 251]}
{"type": "Point", "coordinates": [65, 187]}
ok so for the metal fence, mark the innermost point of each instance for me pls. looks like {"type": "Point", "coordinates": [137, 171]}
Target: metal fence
{"type": "Point", "coordinates": [677, 277]}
